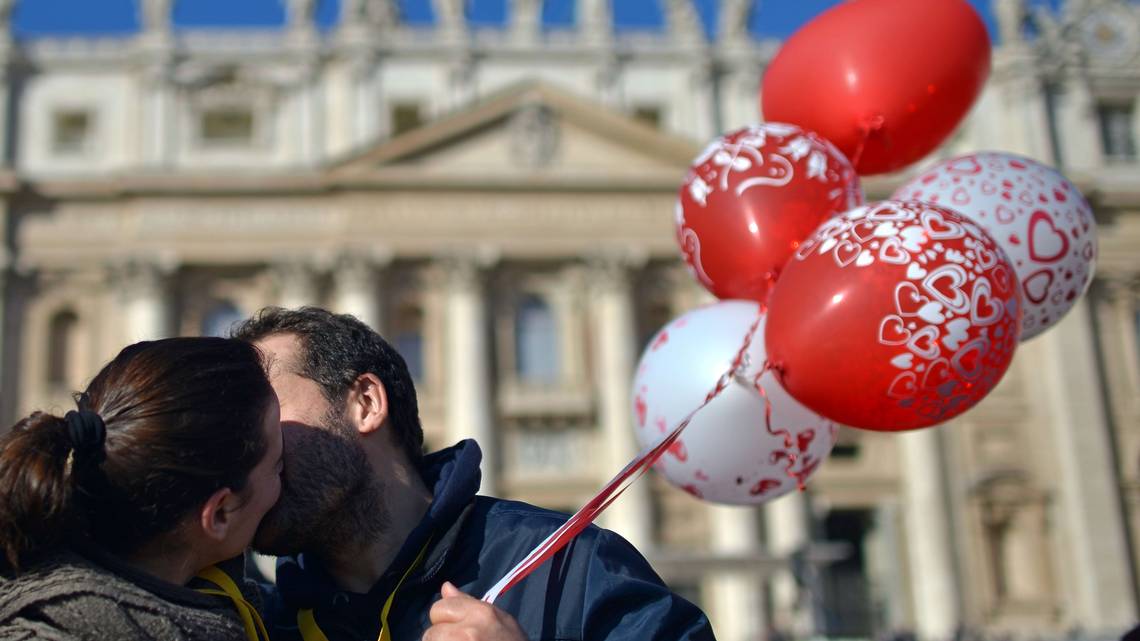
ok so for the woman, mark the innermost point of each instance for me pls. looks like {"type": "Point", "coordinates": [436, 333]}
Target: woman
{"type": "Point", "coordinates": [165, 469]}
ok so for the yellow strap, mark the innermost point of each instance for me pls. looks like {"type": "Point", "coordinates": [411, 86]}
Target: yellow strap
{"type": "Point", "coordinates": [250, 619]}
{"type": "Point", "coordinates": [310, 631]}
{"type": "Point", "coordinates": [308, 627]}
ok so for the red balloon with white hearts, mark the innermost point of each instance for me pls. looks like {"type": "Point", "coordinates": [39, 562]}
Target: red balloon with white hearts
{"type": "Point", "coordinates": [894, 316]}
{"type": "Point", "coordinates": [1043, 223]}
{"type": "Point", "coordinates": [751, 197]}
{"type": "Point", "coordinates": [729, 453]}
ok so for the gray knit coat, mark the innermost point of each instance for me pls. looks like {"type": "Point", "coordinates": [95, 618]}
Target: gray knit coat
{"type": "Point", "coordinates": [71, 597]}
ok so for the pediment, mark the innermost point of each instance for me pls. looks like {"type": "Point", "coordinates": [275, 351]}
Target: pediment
{"type": "Point", "coordinates": [531, 130]}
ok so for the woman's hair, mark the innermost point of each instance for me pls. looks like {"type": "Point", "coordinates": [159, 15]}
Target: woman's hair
{"type": "Point", "coordinates": [182, 418]}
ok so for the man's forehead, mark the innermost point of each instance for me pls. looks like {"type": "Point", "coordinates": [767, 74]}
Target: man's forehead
{"type": "Point", "coordinates": [281, 353]}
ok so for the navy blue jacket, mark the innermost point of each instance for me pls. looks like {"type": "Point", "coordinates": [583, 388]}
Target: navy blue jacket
{"type": "Point", "coordinates": [597, 588]}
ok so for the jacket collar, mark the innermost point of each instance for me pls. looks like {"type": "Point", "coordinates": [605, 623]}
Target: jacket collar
{"type": "Point", "coordinates": [453, 475]}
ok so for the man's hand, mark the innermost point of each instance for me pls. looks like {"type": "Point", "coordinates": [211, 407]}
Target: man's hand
{"type": "Point", "coordinates": [460, 617]}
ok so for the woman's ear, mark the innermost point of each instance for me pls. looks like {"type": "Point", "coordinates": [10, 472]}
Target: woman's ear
{"type": "Point", "coordinates": [368, 403]}
{"type": "Point", "coordinates": [215, 518]}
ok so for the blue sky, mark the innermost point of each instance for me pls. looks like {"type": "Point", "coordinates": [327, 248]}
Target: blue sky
{"type": "Point", "coordinates": [773, 18]}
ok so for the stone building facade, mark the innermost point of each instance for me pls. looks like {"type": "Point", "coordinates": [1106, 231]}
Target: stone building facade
{"type": "Point", "coordinates": [497, 201]}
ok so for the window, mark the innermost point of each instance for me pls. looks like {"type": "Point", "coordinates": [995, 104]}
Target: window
{"type": "Point", "coordinates": [62, 333]}
{"type": "Point", "coordinates": [846, 444]}
{"type": "Point", "coordinates": [71, 132]}
{"type": "Point", "coordinates": [655, 316]}
{"type": "Point", "coordinates": [648, 114]}
{"type": "Point", "coordinates": [408, 339]}
{"type": "Point", "coordinates": [1117, 130]}
{"type": "Point", "coordinates": [406, 116]}
{"type": "Point", "coordinates": [227, 126]}
{"type": "Point", "coordinates": [536, 342]}
{"type": "Point", "coordinates": [1136, 327]}
{"type": "Point", "coordinates": [220, 320]}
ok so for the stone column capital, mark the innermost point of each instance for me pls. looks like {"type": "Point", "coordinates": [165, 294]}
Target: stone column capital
{"type": "Point", "coordinates": [467, 269]}
{"type": "Point", "coordinates": [141, 275]}
{"type": "Point", "coordinates": [611, 268]}
{"type": "Point", "coordinates": [360, 268]}
{"type": "Point", "coordinates": [295, 278]}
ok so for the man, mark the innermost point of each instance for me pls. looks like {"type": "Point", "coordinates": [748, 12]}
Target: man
{"type": "Point", "coordinates": [380, 527]}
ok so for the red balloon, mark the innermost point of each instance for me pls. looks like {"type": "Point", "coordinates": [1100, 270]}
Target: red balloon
{"type": "Point", "coordinates": [885, 80]}
{"type": "Point", "coordinates": [750, 199]}
{"type": "Point", "coordinates": [894, 316]}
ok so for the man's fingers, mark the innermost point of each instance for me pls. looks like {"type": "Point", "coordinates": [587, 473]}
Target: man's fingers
{"type": "Point", "coordinates": [448, 590]}
{"type": "Point", "coordinates": [447, 611]}
{"type": "Point", "coordinates": [445, 632]}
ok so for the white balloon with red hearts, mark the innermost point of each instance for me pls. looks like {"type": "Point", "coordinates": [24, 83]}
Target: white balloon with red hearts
{"type": "Point", "coordinates": [1038, 216]}
{"type": "Point", "coordinates": [729, 453]}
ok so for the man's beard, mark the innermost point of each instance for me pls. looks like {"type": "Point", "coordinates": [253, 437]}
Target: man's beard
{"type": "Point", "coordinates": [330, 496]}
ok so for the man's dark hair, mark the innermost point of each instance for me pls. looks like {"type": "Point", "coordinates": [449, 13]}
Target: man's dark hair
{"type": "Point", "coordinates": [336, 349]}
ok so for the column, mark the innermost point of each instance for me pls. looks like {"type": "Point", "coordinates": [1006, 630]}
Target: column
{"type": "Point", "coordinates": [357, 282]}
{"type": "Point", "coordinates": [786, 524]}
{"type": "Point", "coordinates": [734, 599]}
{"type": "Point", "coordinates": [6, 387]}
{"type": "Point", "coordinates": [1068, 388]}
{"type": "Point", "coordinates": [596, 22]}
{"type": "Point", "coordinates": [469, 402]}
{"type": "Point", "coordinates": [526, 21]}
{"type": "Point", "coordinates": [300, 19]}
{"type": "Point", "coordinates": [614, 343]}
{"type": "Point", "coordinates": [6, 50]}
{"type": "Point", "coordinates": [683, 23]}
{"type": "Point", "coordinates": [296, 283]}
{"type": "Point", "coordinates": [158, 134]}
{"type": "Point", "coordinates": [1077, 124]}
{"type": "Point", "coordinates": [160, 131]}
{"type": "Point", "coordinates": [930, 549]}
{"type": "Point", "coordinates": [886, 566]}
{"type": "Point", "coordinates": [143, 287]}
{"type": "Point", "coordinates": [451, 20]}
{"type": "Point", "coordinates": [704, 87]}
{"type": "Point", "coordinates": [308, 92]}
{"type": "Point", "coordinates": [364, 86]}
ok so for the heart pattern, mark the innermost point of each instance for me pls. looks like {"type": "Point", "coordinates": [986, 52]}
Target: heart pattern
{"type": "Point", "coordinates": [1047, 244]}
{"type": "Point", "coordinates": [892, 252]}
{"type": "Point", "coordinates": [937, 226]}
{"type": "Point", "coordinates": [846, 253]}
{"type": "Point", "coordinates": [908, 300]}
{"type": "Point", "coordinates": [1039, 219]}
{"type": "Point", "coordinates": [945, 284]}
{"type": "Point", "coordinates": [925, 342]}
{"type": "Point", "coordinates": [1037, 285]}
{"type": "Point", "coordinates": [984, 311]}
{"type": "Point", "coordinates": [951, 288]}
{"type": "Point", "coordinates": [893, 331]}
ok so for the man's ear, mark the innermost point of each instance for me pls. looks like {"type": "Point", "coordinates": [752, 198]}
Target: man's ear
{"type": "Point", "coordinates": [367, 403]}
{"type": "Point", "coordinates": [215, 518]}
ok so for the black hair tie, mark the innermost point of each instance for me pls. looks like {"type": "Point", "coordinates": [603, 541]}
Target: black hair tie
{"type": "Point", "coordinates": [87, 433]}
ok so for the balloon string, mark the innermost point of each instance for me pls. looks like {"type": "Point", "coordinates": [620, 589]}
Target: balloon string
{"type": "Point", "coordinates": [867, 126]}
{"type": "Point", "coordinates": [619, 483]}
{"type": "Point", "coordinates": [789, 441]}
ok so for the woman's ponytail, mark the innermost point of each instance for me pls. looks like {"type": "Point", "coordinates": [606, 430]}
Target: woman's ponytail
{"type": "Point", "coordinates": [37, 504]}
